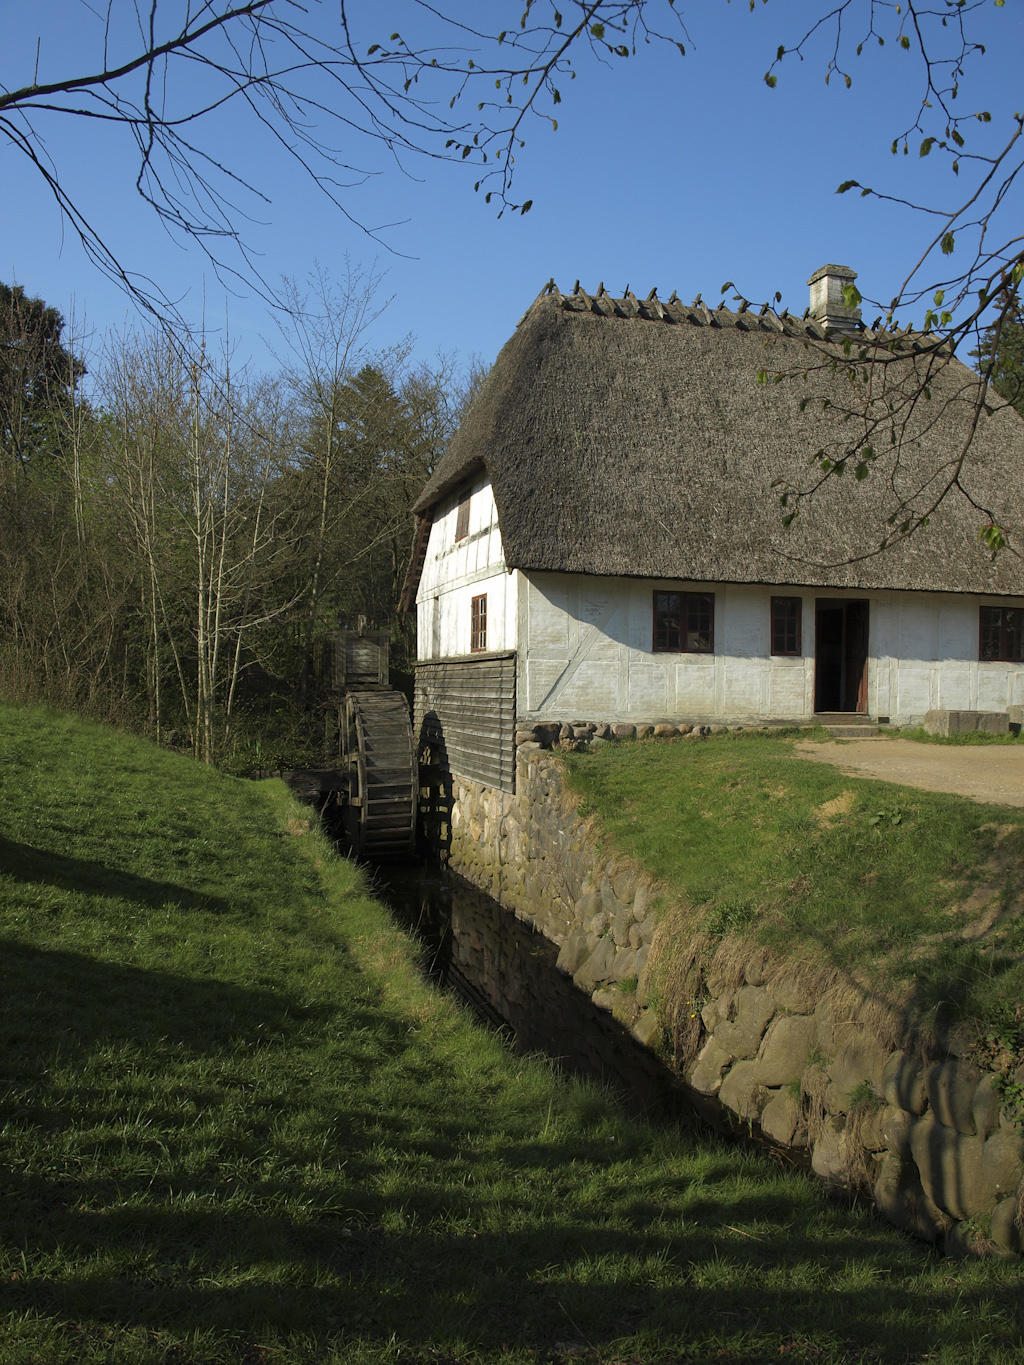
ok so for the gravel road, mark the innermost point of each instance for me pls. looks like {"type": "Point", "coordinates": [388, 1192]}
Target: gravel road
{"type": "Point", "coordinates": [989, 772]}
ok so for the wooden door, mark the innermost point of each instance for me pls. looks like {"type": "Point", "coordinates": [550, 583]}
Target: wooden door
{"type": "Point", "coordinates": [855, 670]}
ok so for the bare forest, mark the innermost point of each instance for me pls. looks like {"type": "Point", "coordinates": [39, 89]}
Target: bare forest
{"type": "Point", "coordinates": [179, 537]}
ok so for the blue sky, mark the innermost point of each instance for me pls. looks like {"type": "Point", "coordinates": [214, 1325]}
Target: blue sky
{"type": "Point", "coordinates": [668, 171]}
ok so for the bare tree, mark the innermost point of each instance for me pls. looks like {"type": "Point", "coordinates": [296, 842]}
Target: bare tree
{"type": "Point", "coordinates": [325, 330]}
{"type": "Point", "coordinates": [196, 452]}
{"type": "Point", "coordinates": [369, 430]}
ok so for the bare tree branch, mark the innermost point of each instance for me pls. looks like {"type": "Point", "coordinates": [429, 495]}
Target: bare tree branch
{"type": "Point", "coordinates": [317, 85]}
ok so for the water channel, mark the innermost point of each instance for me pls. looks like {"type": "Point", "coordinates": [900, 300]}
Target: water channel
{"type": "Point", "coordinates": [505, 971]}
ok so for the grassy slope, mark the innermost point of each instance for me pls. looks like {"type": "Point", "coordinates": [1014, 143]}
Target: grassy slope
{"type": "Point", "coordinates": [868, 876]}
{"type": "Point", "coordinates": [237, 1126]}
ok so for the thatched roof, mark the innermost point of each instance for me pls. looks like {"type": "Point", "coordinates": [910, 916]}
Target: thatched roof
{"type": "Point", "coordinates": [630, 437]}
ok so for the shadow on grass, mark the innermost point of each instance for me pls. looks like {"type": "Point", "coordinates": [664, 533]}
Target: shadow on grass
{"type": "Point", "coordinates": [182, 1274]}
{"type": "Point", "coordinates": [402, 1229]}
{"type": "Point", "coordinates": [947, 980]}
{"type": "Point", "coordinates": [960, 980]}
{"type": "Point", "coordinates": [28, 864]}
{"type": "Point", "coordinates": [59, 1004]}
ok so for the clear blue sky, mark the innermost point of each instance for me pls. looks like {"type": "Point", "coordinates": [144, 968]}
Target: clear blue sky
{"type": "Point", "coordinates": [668, 171]}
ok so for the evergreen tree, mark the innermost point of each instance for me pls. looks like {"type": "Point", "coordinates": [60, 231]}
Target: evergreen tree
{"type": "Point", "coordinates": [38, 375]}
{"type": "Point", "coordinates": [1004, 345]}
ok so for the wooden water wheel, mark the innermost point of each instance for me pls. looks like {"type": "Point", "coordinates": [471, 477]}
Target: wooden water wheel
{"type": "Point", "coordinates": [380, 815]}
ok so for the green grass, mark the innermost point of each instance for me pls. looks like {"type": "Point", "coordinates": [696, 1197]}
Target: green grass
{"type": "Point", "coordinates": [874, 884]}
{"type": "Point", "coordinates": [237, 1126]}
{"type": "Point", "coordinates": [921, 736]}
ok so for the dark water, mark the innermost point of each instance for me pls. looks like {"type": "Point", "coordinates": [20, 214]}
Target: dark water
{"type": "Point", "coordinates": [505, 971]}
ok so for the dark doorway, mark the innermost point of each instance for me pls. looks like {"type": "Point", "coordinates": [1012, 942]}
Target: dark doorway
{"type": "Point", "coordinates": [840, 655]}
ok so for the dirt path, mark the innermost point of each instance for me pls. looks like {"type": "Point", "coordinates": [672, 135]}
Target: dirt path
{"type": "Point", "coordinates": [989, 772]}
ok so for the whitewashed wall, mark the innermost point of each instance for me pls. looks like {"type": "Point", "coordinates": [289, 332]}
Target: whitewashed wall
{"type": "Point", "coordinates": [587, 651]}
{"type": "Point", "coordinates": [455, 572]}
{"type": "Point", "coordinates": [585, 643]}
{"type": "Point", "coordinates": [924, 649]}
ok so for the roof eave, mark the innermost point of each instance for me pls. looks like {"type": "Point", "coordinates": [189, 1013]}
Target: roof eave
{"type": "Point", "coordinates": [460, 475]}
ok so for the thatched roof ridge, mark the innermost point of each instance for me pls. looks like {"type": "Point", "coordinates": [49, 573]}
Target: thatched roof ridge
{"type": "Point", "coordinates": [628, 436]}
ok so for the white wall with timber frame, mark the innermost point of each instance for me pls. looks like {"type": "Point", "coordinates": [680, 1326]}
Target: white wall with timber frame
{"type": "Point", "coordinates": [586, 651]}
{"type": "Point", "coordinates": [465, 695]}
{"type": "Point", "coordinates": [455, 571]}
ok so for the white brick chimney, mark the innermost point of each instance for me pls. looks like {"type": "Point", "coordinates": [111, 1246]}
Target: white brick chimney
{"type": "Point", "coordinates": [827, 298]}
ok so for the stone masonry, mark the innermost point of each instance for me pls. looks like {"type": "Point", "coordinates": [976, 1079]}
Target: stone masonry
{"type": "Point", "coordinates": [925, 1133]}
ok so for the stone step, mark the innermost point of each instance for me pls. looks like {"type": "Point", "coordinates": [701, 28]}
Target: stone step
{"type": "Point", "coordinates": [860, 731]}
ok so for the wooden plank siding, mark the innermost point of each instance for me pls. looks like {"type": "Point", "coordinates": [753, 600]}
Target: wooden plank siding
{"type": "Point", "coordinates": [465, 715]}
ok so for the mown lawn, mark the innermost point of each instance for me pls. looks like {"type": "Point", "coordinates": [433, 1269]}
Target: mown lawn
{"type": "Point", "coordinates": [872, 877]}
{"type": "Point", "coordinates": [237, 1126]}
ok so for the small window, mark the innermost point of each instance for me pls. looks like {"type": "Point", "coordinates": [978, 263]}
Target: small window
{"type": "Point", "coordinates": [478, 624]}
{"type": "Point", "coordinates": [462, 518]}
{"type": "Point", "coordinates": [1002, 634]}
{"type": "Point", "coordinates": [684, 623]}
{"type": "Point", "coordinates": [786, 613]}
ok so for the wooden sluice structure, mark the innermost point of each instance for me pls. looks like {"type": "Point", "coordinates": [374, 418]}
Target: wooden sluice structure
{"type": "Point", "coordinates": [376, 783]}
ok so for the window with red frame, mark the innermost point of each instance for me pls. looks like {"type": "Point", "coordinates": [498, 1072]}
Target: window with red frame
{"type": "Point", "coordinates": [478, 624]}
{"type": "Point", "coordinates": [684, 623]}
{"type": "Point", "coordinates": [1001, 634]}
{"type": "Point", "coordinates": [462, 517]}
{"type": "Point", "coordinates": [786, 619]}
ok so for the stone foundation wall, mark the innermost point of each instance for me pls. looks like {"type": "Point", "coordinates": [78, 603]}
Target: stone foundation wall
{"type": "Point", "coordinates": [512, 971]}
{"type": "Point", "coordinates": [808, 1067]}
{"type": "Point", "coordinates": [925, 1135]}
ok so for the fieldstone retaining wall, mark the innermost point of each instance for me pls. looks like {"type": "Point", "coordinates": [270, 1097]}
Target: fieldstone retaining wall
{"type": "Point", "coordinates": [922, 1129]}
{"type": "Point", "coordinates": [511, 970]}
